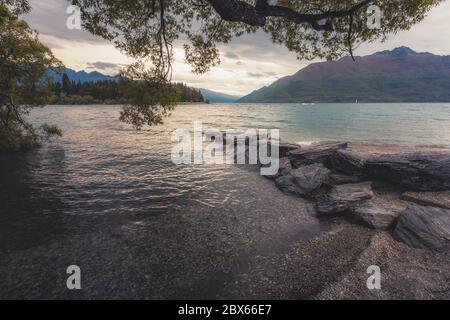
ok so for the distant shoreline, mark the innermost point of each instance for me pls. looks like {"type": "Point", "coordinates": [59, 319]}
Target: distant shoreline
{"type": "Point", "coordinates": [253, 103]}
{"type": "Point", "coordinates": [115, 104]}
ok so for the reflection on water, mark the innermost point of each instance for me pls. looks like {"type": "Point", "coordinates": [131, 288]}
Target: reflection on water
{"type": "Point", "coordinates": [403, 124]}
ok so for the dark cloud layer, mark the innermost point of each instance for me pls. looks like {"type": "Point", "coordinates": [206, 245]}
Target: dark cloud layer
{"type": "Point", "coordinates": [106, 66]}
{"type": "Point", "coordinates": [261, 74]}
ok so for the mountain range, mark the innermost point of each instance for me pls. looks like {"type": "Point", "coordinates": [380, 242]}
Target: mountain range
{"type": "Point", "coordinates": [399, 75]}
{"type": "Point", "coordinates": [80, 76]}
{"type": "Point", "coordinates": [217, 97]}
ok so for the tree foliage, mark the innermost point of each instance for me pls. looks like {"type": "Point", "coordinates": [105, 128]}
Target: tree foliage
{"type": "Point", "coordinates": [24, 62]}
{"type": "Point", "coordinates": [107, 92]}
{"type": "Point", "coordinates": [312, 29]}
{"type": "Point", "coordinates": [16, 7]}
{"type": "Point", "coordinates": [150, 98]}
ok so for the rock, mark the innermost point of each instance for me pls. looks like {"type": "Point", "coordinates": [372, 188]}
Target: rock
{"type": "Point", "coordinates": [343, 197]}
{"type": "Point", "coordinates": [284, 169]}
{"type": "Point", "coordinates": [377, 215]}
{"type": "Point", "coordinates": [286, 184]}
{"type": "Point", "coordinates": [420, 171]}
{"type": "Point", "coordinates": [303, 181]}
{"type": "Point", "coordinates": [337, 179]}
{"type": "Point", "coordinates": [433, 199]}
{"type": "Point", "coordinates": [347, 162]}
{"type": "Point", "coordinates": [285, 166]}
{"type": "Point", "coordinates": [424, 227]}
{"type": "Point", "coordinates": [285, 148]}
{"type": "Point", "coordinates": [310, 178]}
{"type": "Point", "coordinates": [315, 153]}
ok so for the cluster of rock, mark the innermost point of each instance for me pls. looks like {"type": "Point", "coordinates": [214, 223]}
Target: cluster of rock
{"type": "Point", "coordinates": [340, 183]}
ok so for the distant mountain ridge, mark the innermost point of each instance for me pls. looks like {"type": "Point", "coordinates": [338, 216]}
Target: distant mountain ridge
{"type": "Point", "coordinates": [399, 75]}
{"type": "Point", "coordinates": [217, 97]}
{"type": "Point", "coordinates": [81, 76]}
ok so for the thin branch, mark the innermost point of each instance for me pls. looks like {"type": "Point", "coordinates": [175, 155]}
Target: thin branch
{"type": "Point", "coordinates": [349, 36]}
{"type": "Point", "coordinates": [12, 108]}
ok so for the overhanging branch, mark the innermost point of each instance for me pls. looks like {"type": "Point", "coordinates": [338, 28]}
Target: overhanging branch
{"type": "Point", "coordinates": [240, 11]}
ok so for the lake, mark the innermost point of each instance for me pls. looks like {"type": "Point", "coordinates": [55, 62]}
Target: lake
{"type": "Point", "coordinates": [108, 198]}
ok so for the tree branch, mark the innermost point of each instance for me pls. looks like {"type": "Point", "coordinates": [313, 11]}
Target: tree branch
{"type": "Point", "coordinates": [240, 11]}
{"type": "Point", "coordinates": [12, 108]}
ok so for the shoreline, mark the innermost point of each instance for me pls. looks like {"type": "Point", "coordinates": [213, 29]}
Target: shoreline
{"type": "Point", "coordinates": [270, 246]}
{"type": "Point", "coordinates": [119, 104]}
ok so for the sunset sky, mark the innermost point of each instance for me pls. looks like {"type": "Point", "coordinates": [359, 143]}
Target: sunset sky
{"type": "Point", "coordinates": [248, 63]}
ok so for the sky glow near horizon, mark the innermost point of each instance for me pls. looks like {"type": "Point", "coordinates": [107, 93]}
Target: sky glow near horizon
{"type": "Point", "coordinates": [247, 63]}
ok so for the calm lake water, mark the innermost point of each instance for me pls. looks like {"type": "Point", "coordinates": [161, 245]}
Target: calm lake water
{"type": "Point", "coordinates": [417, 124]}
{"type": "Point", "coordinates": [103, 176]}
{"type": "Point", "coordinates": [102, 165]}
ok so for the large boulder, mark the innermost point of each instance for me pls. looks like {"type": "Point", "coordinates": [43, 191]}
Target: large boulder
{"type": "Point", "coordinates": [347, 162]}
{"type": "Point", "coordinates": [439, 199]}
{"type": "Point", "coordinates": [377, 214]}
{"type": "Point", "coordinates": [336, 179]}
{"type": "Point", "coordinates": [316, 153]}
{"type": "Point", "coordinates": [344, 197]}
{"type": "Point", "coordinates": [424, 227]}
{"type": "Point", "coordinates": [303, 181]}
{"type": "Point", "coordinates": [420, 171]}
{"type": "Point", "coordinates": [284, 168]}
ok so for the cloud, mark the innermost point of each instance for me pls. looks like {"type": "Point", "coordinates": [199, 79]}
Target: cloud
{"type": "Point", "coordinates": [105, 66]}
{"type": "Point", "coordinates": [261, 74]}
{"type": "Point", "coordinates": [255, 74]}
{"type": "Point", "coordinates": [254, 60]}
{"type": "Point", "coordinates": [430, 35]}
{"type": "Point", "coordinates": [49, 17]}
